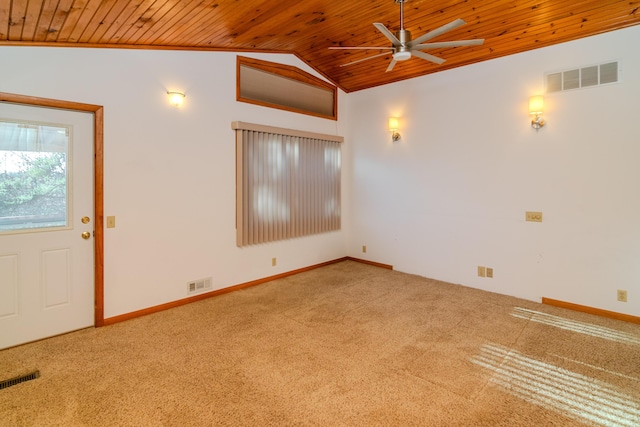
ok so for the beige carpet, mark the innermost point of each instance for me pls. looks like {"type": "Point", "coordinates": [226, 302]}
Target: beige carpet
{"type": "Point", "coordinates": [344, 345]}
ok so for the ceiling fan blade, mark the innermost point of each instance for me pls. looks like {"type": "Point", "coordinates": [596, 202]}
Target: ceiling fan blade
{"type": "Point", "coordinates": [361, 47]}
{"type": "Point", "coordinates": [388, 34]}
{"type": "Point", "coordinates": [438, 45]}
{"type": "Point", "coordinates": [391, 65]}
{"type": "Point", "coordinates": [427, 56]}
{"type": "Point", "coordinates": [364, 59]}
{"type": "Point", "coordinates": [435, 33]}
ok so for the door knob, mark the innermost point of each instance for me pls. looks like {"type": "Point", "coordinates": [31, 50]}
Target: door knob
{"type": "Point", "coordinates": [86, 235]}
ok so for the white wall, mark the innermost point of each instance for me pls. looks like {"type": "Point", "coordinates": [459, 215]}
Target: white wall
{"type": "Point", "coordinates": [449, 197]}
{"type": "Point", "coordinates": [452, 194]}
{"type": "Point", "coordinates": [169, 173]}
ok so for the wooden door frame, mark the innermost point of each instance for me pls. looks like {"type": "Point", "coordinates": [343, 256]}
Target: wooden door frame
{"type": "Point", "coordinates": [98, 183]}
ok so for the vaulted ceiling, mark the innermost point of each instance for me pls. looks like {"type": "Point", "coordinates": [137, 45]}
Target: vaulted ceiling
{"type": "Point", "coordinates": [307, 28]}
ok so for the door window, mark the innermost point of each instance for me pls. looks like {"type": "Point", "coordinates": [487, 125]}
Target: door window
{"type": "Point", "coordinates": [34, 178]}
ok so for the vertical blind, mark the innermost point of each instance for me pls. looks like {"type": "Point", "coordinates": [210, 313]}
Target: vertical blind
{"type": "Point", "coordinates": [287, 183]}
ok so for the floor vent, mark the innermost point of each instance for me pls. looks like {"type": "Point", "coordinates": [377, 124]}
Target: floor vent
{"type": "Point", "coordinates": [593, 75]}
{"type": "Point", "coordinates": [197, 286]}
{"type": "Point", "coordinates": [17, 380]}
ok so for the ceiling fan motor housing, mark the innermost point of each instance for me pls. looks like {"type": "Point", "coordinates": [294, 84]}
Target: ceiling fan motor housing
{"type": "Point", "coordinates": [403, 51]}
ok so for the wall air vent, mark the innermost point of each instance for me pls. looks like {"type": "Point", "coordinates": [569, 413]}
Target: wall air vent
{"type": "Point", "coordinates": [197, 286]}
{"type": "Point", "coordinates": [589, 76]}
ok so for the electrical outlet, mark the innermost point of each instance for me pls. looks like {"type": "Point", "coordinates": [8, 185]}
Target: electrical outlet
{"type": "Point", "coordinates": [482, 271]}
{"type": "Point", "coordinates": [273, 262]}
{"type": "Point", "coordinates": [364, 249]}
{"type": "Point", "coordinates": [533, 216]}
{"type": "Point", "coordinates": [490, 272]}
{"type": "Point", "coordinates": [622, 295]}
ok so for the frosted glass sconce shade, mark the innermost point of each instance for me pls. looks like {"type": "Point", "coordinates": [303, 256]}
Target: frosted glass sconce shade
{"type": "Point", "coordinates": [536, 107]}
{"type": "Point", "coordinates": [393, 128]}
{"type": "Point", "coordinates": [176, 98]}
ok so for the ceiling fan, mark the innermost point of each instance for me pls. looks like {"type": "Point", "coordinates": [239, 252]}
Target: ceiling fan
{"type": "Point", "coordinates": [404, 48]}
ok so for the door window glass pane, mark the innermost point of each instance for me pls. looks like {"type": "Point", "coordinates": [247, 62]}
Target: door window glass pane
{"type": "Point", "coordinates": [34, 160]}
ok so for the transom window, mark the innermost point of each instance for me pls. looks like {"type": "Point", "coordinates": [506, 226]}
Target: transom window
{"type": "Point", "coordinates": [285, 87]}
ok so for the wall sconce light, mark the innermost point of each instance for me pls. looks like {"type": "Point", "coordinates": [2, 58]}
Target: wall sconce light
{"type": "Point", "coordinates": [176, 98]}
{"type": "Point", "coordinates": [536, 107]}
{"type": "Point", "coordinates": [393, 128]}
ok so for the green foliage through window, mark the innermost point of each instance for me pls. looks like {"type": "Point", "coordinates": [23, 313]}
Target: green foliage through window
{"type": "Point", "coordinates": [36, 185]}
{"type": "Point", "coordinates": [33, 175]}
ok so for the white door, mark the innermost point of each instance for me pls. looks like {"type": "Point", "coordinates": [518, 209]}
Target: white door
{"type": "Point", "coordinates": [46, 223]}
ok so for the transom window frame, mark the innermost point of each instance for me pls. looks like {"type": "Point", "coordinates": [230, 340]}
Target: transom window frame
{"type": "Point", "coordinates": [287, 72]}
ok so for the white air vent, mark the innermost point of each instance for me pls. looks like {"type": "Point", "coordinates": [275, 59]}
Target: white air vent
{"type": "Point", "coordinates": [592, 75]}
{"type": "Point", "coordinates": [197, 286]}
{"type": "Point", "coordinates": [589, 76]}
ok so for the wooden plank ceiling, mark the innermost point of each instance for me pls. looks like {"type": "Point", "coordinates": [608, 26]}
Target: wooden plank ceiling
{"type": "Point", "coordinates": [307, 28]}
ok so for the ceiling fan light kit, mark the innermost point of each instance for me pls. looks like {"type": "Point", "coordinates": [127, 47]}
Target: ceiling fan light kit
{"type": "Point", "coordinates": [402, 56]}
{"type": "Point", "coordinates": [403, 47]}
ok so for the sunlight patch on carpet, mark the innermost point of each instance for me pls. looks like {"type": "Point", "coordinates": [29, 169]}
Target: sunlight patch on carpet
{"type": "Point", "coordinates": [575, 326]}
{"type": "Point", "coordinates": [574, 395]}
